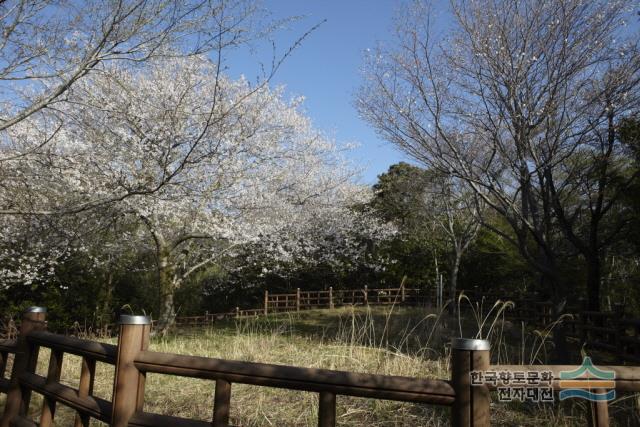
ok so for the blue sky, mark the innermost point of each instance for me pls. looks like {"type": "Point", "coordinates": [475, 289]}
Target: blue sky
{"type": "Point", "coordinates": [326, 68]}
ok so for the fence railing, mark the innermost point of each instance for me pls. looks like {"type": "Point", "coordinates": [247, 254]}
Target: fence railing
{"type": "Point", "coordinates": [308, 300]}
{"type": "Point", "coordinates": [608, 331]}
{"type": "Point", "coordinates": [330, 298]}
{"type": "Point", "coordinates": [469, 403]}
{"type": "Point", "coordinates": [611, 332]}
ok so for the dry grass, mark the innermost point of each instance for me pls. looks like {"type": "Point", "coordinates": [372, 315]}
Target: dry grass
{"type": "Point", "coordinates": [409, 342]}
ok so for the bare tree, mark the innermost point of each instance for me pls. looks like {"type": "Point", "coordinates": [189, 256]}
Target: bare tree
{"type": "Point", "coordinates": [517, 100]}
{"type": "Point", "coordinates": [433, 207]}
{"type": "Point", "coordinates": [456, 211]}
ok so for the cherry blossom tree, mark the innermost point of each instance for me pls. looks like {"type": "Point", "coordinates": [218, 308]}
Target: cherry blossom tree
{"type": "Point", "coordinates": [46, 46]}
{"type": "Point", "coordinates": [204, 163]}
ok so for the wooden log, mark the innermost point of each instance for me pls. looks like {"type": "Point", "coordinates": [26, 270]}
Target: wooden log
{"type": "Point", "coordinates": [94, 406]}
{"type": "Point", "coordinates": [627, 377]}
{"type": "Point", "coordinates": [296, 378]}
{"type": "Point", "coordinates": [471, 406]}
{"type": "Point", "coordinates": [26, 357]}
{"type": "Point", "coordinates": [599, 411]}
{"type": "Point", "coordinates": [128, 385]}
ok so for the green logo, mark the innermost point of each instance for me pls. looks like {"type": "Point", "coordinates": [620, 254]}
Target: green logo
{"type": "Point", "coordinates": [588, 382]}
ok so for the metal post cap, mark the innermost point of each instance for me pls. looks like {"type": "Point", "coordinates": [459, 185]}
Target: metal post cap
{"type": "Point", "coordinates": [469, 344]}
{"type": "Point", "coordinates": [126, 319]}
{"type": "Point", "coordinates": [36, 309]}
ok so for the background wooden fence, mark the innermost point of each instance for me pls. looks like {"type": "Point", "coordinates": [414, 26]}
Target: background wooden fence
{"type": "Point", "coordinates": [470, 404]}
{"type": "Point", "coordinates": [308, 300]}
{"type": "Point", "coordinates": [612, 332]}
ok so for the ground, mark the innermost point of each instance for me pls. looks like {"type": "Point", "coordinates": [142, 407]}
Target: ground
{"type": "Point", "coordinates": [381, 340]}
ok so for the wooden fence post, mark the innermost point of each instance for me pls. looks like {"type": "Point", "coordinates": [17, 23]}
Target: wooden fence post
{"type": "Point", "coordinates": [237, 312]}
{"type": "Point", "coordinates": [128, 385]}
{"type": "Point", "coordinates": [298, 299]}
{"type": "Point", "coordinates": [53, 376]}
{"type": "Point", "coordinates": [331, 297]}
{"type": "Point", "coordinates": [471, 406]}
{"type": "Point", "coordinates": [266, 302]}
{"type": "Point", "coordinates": [85, 388]}
{"type": "Point", "coordinates": [366, 294]}
{"type": "Point", "coordinates": [599, 411]}
{"type": "Point", "coordinates": [26, 357]}
{"type": "Point", "coordinates": [327, 409]}
{"type": "Point", "coordinates": [221, 403]}
{"type": "Point", "coordinates": [402, 292]}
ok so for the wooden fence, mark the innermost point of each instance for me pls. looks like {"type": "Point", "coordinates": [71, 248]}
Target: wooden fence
{"type": "Point", "coordinates": [307, 300]}
{"type": "Point", "coordinates": [612, 332]}
{"type": "Point", "coordinates": [470, 404]}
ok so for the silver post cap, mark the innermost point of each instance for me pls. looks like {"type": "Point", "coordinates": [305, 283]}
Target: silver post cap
{"type": "Point", "coordinates": [126, 319]}
{"type": "Point", "coordinates": [36, 309]}
{"type": "Point", "coordinates": [469, 344]}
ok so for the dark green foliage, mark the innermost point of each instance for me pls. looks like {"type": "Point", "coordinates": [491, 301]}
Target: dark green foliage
{"type": "Point", "coordinates": [494, 263]}
{"type": "Point", "coordinates": [400, 198]}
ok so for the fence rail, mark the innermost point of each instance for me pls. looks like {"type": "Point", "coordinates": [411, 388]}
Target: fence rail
{"type": "Point", "coordinates": [469, 403]}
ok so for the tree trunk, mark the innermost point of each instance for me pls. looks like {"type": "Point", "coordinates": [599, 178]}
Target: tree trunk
{"type": "Point", "coordinates": [166, 282]}
{"type": "Point", "coordinates": [594, 272]}
{"type": "Point", "coordinates": [105, 310]}
{"type": "Point", "coordinates": [453, 282]}
{"type": "Point", "coordinates": [167, 313]}
{"type": "Point", "coordinates": [560, 353]}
